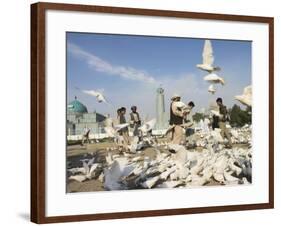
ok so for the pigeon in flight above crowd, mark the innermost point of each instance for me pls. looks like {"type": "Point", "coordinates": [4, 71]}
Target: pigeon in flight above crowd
{"type": "Point", "coordinates": [214, 79]}
{"type": "Point", "coordinates": [208, 58]}
{"type": "Point", "coordinates": [98, 94]}
{"type": "Point", "coordinates": [211, 89]}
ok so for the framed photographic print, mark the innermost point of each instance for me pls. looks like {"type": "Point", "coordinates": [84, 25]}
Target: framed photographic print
{"type": "Point", "coordinates": [140, 112]}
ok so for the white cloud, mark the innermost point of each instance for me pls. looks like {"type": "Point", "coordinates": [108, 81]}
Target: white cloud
{"type": "Point", "coordinates": [101, 65]}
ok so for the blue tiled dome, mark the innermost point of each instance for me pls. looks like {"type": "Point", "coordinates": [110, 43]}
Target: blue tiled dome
{"type": "Point", "coordinates": [76, 106]}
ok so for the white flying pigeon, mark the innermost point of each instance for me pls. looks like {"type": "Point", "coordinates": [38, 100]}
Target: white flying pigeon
{"type": "Point", "coordinates": [147, 126]}
{"type": "Point", "coordinates": [246, 97]}
{"type": "Point", "coordinates": [208, 58]}
{"type": "Point", "coordinates": [121, 126]}
{"type": "Point", "coordinates": [214, 79]}
{"type": "Point", "coordinates": [182, 106]}
{"type": "Point", "coordinates": [215, 112]}
{"type": "Point", "coordinates": [211, 89]}
{"type": "Point", "coordinates": [100, 97]}
{"type": "Point", "coordinates": [111, 129]}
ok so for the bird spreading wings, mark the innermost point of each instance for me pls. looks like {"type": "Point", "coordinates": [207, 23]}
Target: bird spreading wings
{"type": "Point", "coordinates": [246, 97]}
{"type": "Point", "coordinates": [211, 89]}
{"type": "Point", "coordinates": [208, 58]}
{"type": "Point", "coordinates": [214, 79]}
{"type": "Point", "coordinates": [111, 129]}
{"type": "Point", "coordinates": [147, 126]}
{"type": "Point", "coordinates": [98, 94]}
{"type": "Point", "coordinates": [207, 55]}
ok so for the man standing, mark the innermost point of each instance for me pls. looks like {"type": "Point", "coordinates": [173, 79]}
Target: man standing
{"type": "Point", "coordinates": [176, 120]}
{"type": "Point", "coordinates": [135, 121]}
{"type": "Point", "coordinates": [124, 132]}
{"type": "Point", "coordinates": [222, 121]}
{"type": "Point", "coordinates": [85, 135]}
{"type": "Point", "coordinates": [188, 120]}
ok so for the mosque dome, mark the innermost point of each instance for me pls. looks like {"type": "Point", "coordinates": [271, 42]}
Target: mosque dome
{"type": "Point", "coordinates": [76, 106]}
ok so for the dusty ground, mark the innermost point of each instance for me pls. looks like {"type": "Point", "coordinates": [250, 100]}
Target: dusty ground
{"type": "Point", "coordinates": [77, 152]}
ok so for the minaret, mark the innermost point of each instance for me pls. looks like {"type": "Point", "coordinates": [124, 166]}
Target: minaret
{"type": "Point", "coordinates": [160, 108]}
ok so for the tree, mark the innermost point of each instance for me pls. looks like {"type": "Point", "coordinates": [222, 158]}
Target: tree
{"type": "Point", "coordinates": [239, 117]}
{"type": "Point", "coordinates": [198, 116]}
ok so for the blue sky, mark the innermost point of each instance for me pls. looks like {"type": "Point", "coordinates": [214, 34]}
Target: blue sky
{"type": "Point", "coordinates": [128, 69]}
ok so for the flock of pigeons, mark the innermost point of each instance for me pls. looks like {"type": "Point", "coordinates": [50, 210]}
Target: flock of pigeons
{"type": "Point", "coordinates": [213, 78]}
{"type": "Point", "coordinates": [187, 167]}
{"type": "Point", "coordinates": [207, 65]}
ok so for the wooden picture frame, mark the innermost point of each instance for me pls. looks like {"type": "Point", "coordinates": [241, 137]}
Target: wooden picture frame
{"type": "Point", "coordinates": [38, 108]}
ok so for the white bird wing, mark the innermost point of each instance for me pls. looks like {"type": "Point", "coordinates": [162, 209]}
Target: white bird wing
{"type": "Point", "coordinates": [246, 100]}
{"type": "Point", "coordinates": [207, 55]}
{"type": "Point", "coordinates": [148, 125]}
{"type": "Point", "coordinates": [211, 89]}
{"type": "Point", "coordinates": [121, 126]}
{"type": "Point", "coordinates": [101, 98]}
{"type": "Point", "coordinates": [180, 104]}
{"type": "Point", "coordinates": [151, 123]}
{"type": "Point", "coordinates": [150, 182]}
{"type": "Point", "coordinates": [79, 178]}
{"type": "Point", "coordinates": [108, 122]}
{"type": "Point", "coordinates": [110, 131]}
{"type": "Point", "coordinates": [93, 168]}
{"type": "Point", "coordinates": [246, 97]}
{"type": "Point", "coordinates": [216, 113]}
{"type": "Point", "coordinates": [91, 161]}
{"type": "Point", "coordinates": [247, 90]}
{"type": "Point", "coordinates": [214, 78]}
{"type": "Point", "coordinates": [211, 77]}
{"type": "Point", "coordinates": [86, 167]}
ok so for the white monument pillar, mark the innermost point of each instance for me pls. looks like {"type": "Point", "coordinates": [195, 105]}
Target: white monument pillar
{"type": "Point", "coordinates": [160, 108]}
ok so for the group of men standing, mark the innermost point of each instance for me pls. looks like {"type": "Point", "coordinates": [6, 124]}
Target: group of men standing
{"type": "Point", "coordinates": [179, 123]}
{"type": "Point", "coordinates": [135, 123]}
{"type": "Point", "coordinates": [179, 120]}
